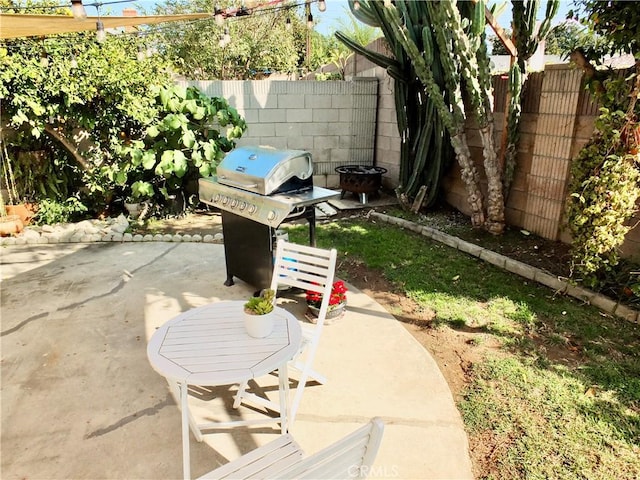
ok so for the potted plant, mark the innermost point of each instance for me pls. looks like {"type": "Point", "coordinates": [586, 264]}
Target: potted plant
{"type": "Point", "coordinates": [140, 191]}
{"type": "Point", "coordinates": [259, 315]}
{"type": "Point", "coordinates": [337, 301]}
{"type": "Point", "coordinates": [10, 223]}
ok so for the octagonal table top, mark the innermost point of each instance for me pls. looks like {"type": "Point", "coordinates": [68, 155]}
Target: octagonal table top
{"type": "Point", "coordinates": [208, 345]}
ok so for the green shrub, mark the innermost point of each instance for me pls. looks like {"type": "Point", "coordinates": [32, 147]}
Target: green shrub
{"type": "Point", "coordinates": [53, 211]}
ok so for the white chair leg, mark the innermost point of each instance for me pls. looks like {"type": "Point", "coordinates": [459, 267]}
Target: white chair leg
{"type": "Point", "coordinates": [240, 394]}
{"type": "Point", "coordinates": [283, 384]}
{"type": "Point", "coordinates": [313, 374]}
{"type": "Point", "coordinates": [186, 421]}
{"type": "Point", "coordinates": [178, 390]}
{"type": "Point", "coordinates": [304, 375]}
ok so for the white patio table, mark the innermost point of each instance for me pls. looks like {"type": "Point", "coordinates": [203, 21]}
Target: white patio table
{"type": "Point", "coordinates": [208, 346]}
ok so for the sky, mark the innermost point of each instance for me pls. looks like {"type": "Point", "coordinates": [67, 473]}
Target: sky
{"type": "Point", "coordinates": [329, 21]}
{"type": "Point", "coordinates": [339, 9]}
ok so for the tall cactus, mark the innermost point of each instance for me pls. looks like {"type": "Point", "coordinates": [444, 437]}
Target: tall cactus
{"type": "Point", "coordinates": [447, 101]}
{"type": "Point", "coordinates": [467, 43]}
{"type": "Point", "coordinates": [526, 40]}
{"type": "Point", "coordinates": [425, 146]}
{"type": "Point", "coordinates": [446, 38]}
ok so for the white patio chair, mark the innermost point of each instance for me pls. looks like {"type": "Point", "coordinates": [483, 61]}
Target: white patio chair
{"type": "Point", "coordinates": [308, 268]}
{"type": "Point", "coordinates": [350, 457]}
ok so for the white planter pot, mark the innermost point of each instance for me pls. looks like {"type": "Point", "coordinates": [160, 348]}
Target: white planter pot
{"type": "Point", "coordinates": [259, 326]}
{"type": "Point", "coordinates": [134, 209]}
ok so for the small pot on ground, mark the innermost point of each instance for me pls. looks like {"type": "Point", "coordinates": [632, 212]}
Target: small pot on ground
{"type": "Point", "coordinates": [25, 211]}
{"type": "Point", "coordinates": [133, 209]}
{"type": "Point", "coordinates": [10, 225]}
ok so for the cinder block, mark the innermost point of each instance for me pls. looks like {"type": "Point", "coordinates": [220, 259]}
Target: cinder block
{"type": "Point", "coordinates": [341, 102]}
{"type": "Point", "coordinates": [333, 181]}
{"type": "Point", "coordinates": [338, 128]}
{"type": "Point", "coordinates": [470, 248]}
{"type": "Point", "coordinates": [317, 101]}
{"type": "Point", "coordinates": [251, 116]}
{"type": "Point", "coordinates": [627, 313]}
{"type": "Point", "coordinates": [340, 155]}
{"type": "Point", "coordinates": [520, 268]}
{"type": "Point", "coordinates": [320, 143]}
{"type": "Point", "coordinates": [316, 129]}
{"type": "Point", "coordinates": [271, 115]}
{"type": "Point", "coordinates": [320, 180]}
{"type": "Point", "coordinates": [550, 281]}
{"type": "Point", "coordinates": [345, 115]}
{"type": "Point", "coordinates": [493, 257]}
{"type": "Point", "coordinates": [262, 129]}
{"type": "Point", "coordinates": [288, 129]}
{"type": "Point", "coordinates": [517, 200]}
{"type": "Point", "coordinates": [291, 102]}
{"type": "Point", "coordinates": [513, 217]}
{"type": "Point", "coordinates": [303, 142]}
{"type": "Point", "coordinates": [299, 115]}
{"type": "Point", "coordinates": [603, 303]}
{"type": "Point", "coordinates": [325, 115]}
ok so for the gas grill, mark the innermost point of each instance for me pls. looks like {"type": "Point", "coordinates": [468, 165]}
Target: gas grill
{"type": "Point", "coordinates": [258, 189]}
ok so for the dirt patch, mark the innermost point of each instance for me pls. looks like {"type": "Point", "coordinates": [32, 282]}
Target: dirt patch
{"type": "Point", "coordinates": [201, 222]}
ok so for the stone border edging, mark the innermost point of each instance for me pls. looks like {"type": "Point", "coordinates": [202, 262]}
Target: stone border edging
{"type": "Point", "coordinates": [113, 230]}
{"type": "Point", "coordinates": [92, 231]}
{"type": "Point", "coordinates": [602, 302]}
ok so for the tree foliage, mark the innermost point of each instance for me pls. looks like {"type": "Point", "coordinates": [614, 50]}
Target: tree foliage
{"type": "Point", "coordinates": [617, 22]}
{"type": "Point", "coordinates": [87, 93]}
{"type": "Point", "coordinates": [497, 47]}
{"type": "Point", "coordinates": [257, 45]}
{"type": "Point", "coordinates": [605, 185]}
{"type": "Point", "coordinates": [117, 114]}
{"type": "Point", "coordinates": [186, 141]}
{"type": "Point", "coordinates": [565, 37]}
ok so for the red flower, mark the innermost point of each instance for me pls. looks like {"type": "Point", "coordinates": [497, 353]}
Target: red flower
{"type": "Point", "coordinates": [338, 295]}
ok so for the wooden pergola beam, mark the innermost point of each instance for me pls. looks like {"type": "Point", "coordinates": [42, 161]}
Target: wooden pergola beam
{"type": "Point", "coordinates": [500, 33]}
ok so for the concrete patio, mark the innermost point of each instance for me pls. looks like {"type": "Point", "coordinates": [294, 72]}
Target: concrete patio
{"type": "Point", "coordinates": [80, 400]}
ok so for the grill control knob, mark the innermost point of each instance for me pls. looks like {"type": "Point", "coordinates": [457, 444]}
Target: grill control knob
{"type": "Point", "coordinates": [242, 205]}
{"type": "Point", "coordinates": [216, 198]}
{"type": "Point", "coordinates": [252, 209]}
{"type": "Point", "coordinates": [234, 203]}
{"type": "Point", "coordinates": [271, 215]}
{"type": "Point", "coordinates": [225, 199]}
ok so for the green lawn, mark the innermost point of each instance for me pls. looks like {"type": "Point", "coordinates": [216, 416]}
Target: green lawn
{"type": "Point", "coordinates": [560, 398]}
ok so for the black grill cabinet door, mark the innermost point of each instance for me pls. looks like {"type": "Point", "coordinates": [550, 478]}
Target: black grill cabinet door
{"type": "Point", "coordinates": [248, 250]}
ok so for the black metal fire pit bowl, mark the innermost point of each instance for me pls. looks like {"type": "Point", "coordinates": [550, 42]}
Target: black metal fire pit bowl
{"type": "Point", "coordinates": [360, 179]}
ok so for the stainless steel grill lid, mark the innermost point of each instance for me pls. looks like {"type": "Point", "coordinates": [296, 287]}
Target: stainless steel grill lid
{"type": "Point", "coordinates": [266, 170]}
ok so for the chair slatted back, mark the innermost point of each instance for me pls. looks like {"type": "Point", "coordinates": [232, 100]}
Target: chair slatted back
{"type": "Point", "coordinates": [350, 457]}
{"type": "Point", "coordinates": [268, 461]}
{"type": "Point", "coordinates": [305, 267]}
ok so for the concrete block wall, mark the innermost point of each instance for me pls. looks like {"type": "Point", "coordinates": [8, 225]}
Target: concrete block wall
{"type": "Point", "coordinates": [552, 151]}
{"type": "Point", "coordinates": [334, 120]}
{"type": "Point", "coordinates": [354, 122]}
{"type": "Point", "coordinates": [545, 151]}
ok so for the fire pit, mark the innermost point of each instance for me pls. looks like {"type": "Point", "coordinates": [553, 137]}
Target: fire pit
{"type": "Point", "coordinates": [360, 179]}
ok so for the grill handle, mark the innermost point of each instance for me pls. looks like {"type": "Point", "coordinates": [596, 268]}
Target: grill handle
{"type": "Point", "coordinates": [238, 184]}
